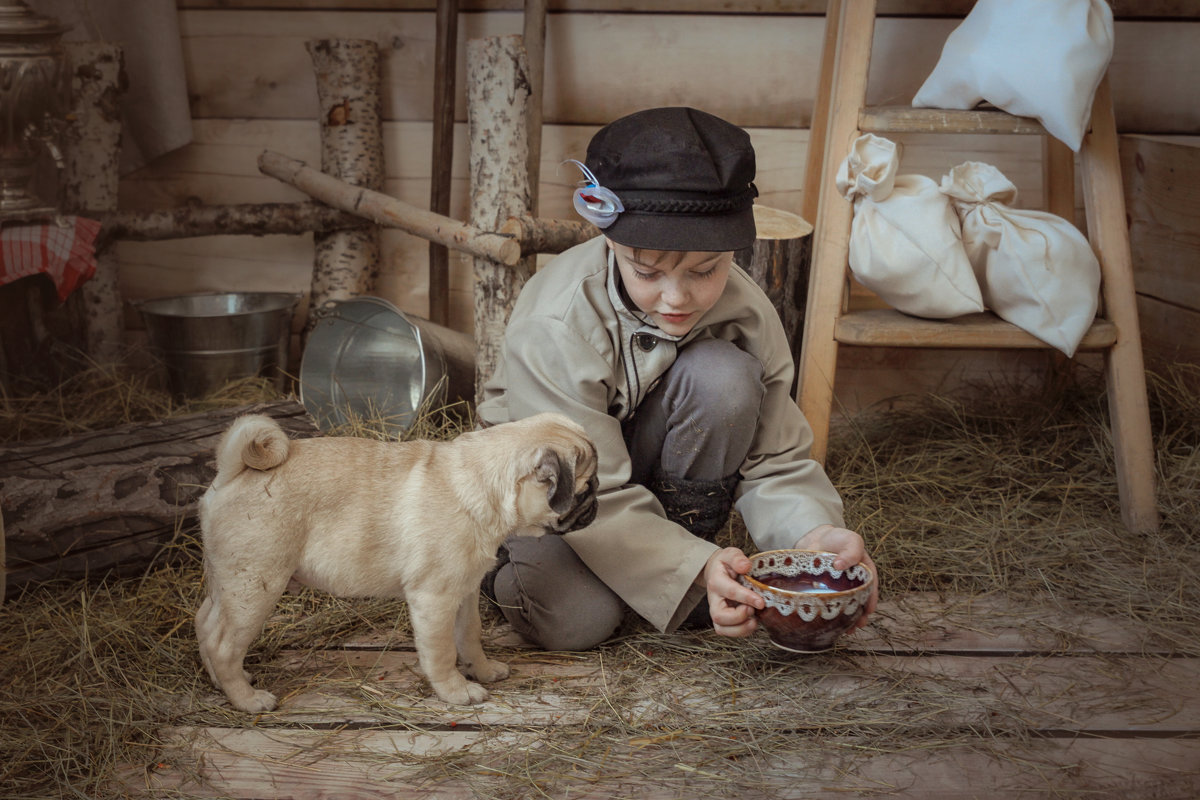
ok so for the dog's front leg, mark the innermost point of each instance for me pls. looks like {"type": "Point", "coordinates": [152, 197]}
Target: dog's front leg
{"type": "Point", "coordinates": [467, 638]}
{"type": "Point", "coordinates": [433, 618]}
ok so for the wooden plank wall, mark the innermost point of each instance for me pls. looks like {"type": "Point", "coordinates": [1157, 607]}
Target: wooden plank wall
{"type": "Point", "coordinates": [251, 88]}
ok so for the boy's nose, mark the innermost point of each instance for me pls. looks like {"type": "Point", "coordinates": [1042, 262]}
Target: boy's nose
{"type": "Point", "coordinates": [674, 294]}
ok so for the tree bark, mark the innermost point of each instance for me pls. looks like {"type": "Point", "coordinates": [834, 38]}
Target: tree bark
{"type": "Point", "coordinates": [541, 235]}
{"type": "Point", "coordinates": [497, 94]}
{"type": "Point", "coordinates": [256, 219]}
{"type": "Point", "coordinates": [779, 261]}
{"type": "Point", "coordinates": [91, 152]}
{"type": "Point", "coordinates": [390, 212]}
{"type": "Point", "coordinates": [112, 500]}
{"type": "Point", "coordinates": [347, 261]}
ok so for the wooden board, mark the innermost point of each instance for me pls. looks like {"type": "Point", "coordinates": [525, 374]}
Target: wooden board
{"type": "Point", "coordinates": [221, 167]}
{"type": "Point", "coordinates": [946, 694]}
{"type": "Point", "coordinates": [1162, 202]}
{"type": "Point", "coordinates": [1138, 9]}
{"type": "Point", "coordinates": [252, 64]}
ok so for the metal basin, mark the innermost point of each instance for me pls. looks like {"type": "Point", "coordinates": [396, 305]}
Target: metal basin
{"type": "Point", "coordinates": [367, 360]}
{"type": "Point", "coordinates": [207, 340]}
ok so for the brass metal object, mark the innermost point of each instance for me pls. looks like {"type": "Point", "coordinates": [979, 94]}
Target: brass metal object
{"type": "Point", "coordinates": [34, 86]}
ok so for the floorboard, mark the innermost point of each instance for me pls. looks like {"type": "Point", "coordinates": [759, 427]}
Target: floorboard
{"type": "Point", "coordinates": [941, 697]}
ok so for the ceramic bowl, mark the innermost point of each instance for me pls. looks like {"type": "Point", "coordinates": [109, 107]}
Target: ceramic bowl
{"type": "Point", "coordinates": [809, 603]}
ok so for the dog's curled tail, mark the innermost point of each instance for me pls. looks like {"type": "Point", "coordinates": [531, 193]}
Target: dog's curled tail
{"type": "Point", "coordinates": [255, 441]}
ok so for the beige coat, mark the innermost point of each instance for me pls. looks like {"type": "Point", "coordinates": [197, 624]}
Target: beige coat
{"type": "Point", "coordinates": [573, 346]}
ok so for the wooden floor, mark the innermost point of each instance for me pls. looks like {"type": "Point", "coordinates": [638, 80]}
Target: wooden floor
{"type": "Point", "coordinates": [938, 698]}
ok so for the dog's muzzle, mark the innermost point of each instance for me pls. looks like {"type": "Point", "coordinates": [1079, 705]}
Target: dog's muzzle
{"type": "Point", "coordinates": [583, 510]}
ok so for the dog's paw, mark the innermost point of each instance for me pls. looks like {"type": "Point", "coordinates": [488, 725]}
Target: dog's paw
{"type": "Point", "coordinates": [255, 702]}
{"type": "Point", "coordinates": [487, 671]}
{"type": "Point", "coordinates": [460, 693]}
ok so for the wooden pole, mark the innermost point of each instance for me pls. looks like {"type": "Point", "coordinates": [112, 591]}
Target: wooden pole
{"type": "Point", "coordinates": [497, 95]}
{"type": "Point", "coordinates": [249, 219]}
{"type": "Point", "coordinates": [827, 278]}
{"type": "Point", "coordinates": [346, 262]}
{"type": "Point", "coordinates": [1128, 407]}
{"type": "Point", "coordinates": [534, 38]}
{"type": "Point", "coordinates": [91, 151]}
{"type": "Point", "coordinates": [390, 212]}
{"type": "Point", "coordinates": [444, 82]}
{"type": "Point", "coordinates": [538, 235]}
{"type": "Point", "coordinates": [818, 127]}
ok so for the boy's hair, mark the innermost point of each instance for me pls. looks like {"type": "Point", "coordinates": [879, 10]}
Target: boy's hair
{"type": "Point", "coordinates": [684, 177]}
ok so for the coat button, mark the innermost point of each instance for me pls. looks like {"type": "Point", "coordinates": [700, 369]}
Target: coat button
{"type": "Point", "coordinates": [646, 341]}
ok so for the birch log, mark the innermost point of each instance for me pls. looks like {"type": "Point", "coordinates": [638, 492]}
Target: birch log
{"type": "Point", "coordinates": [91, 151]}
{"type": "Point", "coordinates": [497, 94]}
{"type": "Point", "coordinates": [542, 235]}
{"type": "Point", "coordinates": [346, 262]}
{"type": "Point", "coordinates": [390, 212]}
{"type": "Point", "coordinates": [248, 219]}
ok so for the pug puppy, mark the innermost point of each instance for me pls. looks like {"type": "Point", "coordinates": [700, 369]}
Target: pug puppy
{"type": "Point", "coordinates": [355, 517]}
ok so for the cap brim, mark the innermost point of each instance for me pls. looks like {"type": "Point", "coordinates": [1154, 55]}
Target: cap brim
{"type": "Point", "coordinates": [699, 232]}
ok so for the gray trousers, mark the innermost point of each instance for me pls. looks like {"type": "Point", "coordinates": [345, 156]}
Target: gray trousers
{"type": "Point", "coordinates": [696, 425]}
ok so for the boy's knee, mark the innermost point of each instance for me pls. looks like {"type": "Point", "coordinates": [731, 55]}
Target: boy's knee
{"type": "Point", "coordinates": [719, 374]}
{"type": "Point", "coordinates": [551, 598]}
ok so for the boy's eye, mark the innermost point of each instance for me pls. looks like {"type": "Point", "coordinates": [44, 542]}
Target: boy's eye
{"type": "Point", "coordinates": [706, 272]}
{"type": "Point", "coordinates": [646, 276]}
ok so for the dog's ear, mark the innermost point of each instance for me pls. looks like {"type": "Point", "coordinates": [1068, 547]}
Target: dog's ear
{"type": "Point", "coordinates": [559, 477]}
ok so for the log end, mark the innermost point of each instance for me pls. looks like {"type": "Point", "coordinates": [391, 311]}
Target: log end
{"type": "Point", "coordinates": [509, 252]}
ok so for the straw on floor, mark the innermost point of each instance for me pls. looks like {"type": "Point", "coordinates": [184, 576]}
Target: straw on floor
{"type": "Point", "coordinates": [1004, 494]}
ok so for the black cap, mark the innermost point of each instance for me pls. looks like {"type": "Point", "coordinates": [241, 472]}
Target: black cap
{"type": "Point", "coordinates": [685, 178]}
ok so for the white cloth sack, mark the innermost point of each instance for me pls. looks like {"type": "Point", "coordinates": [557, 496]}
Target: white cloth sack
{"type": "Point", "coordinates": [905, 240]}
{"type": "Point", "coordinates": [1034, 58]}
{"type": "Point", "coordinates": [1035, 268]}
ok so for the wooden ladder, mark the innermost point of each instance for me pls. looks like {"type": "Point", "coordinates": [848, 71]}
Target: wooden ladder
{"type": "Point", "coordinates": [828, 324]}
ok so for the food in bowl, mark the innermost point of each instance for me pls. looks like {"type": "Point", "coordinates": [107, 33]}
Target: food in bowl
{"type": "Point", "coordinates": [809, 603]}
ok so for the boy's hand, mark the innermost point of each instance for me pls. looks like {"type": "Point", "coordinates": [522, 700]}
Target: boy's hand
{"type": "Point", "coordinates": [850, 549]}
{"type": "Point", "coordinates": [730, 604]}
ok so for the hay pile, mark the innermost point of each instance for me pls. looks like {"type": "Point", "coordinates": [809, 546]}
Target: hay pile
{"type": "Point", "coordinates": [1010, 495]}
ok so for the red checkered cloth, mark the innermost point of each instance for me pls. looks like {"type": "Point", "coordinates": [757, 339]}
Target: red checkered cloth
{"type": "Point", "coordinates": [64, 252]}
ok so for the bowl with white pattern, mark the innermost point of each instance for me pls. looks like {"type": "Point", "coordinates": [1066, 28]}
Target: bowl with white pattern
{"type": "Point", "coordinates": [809, 603]}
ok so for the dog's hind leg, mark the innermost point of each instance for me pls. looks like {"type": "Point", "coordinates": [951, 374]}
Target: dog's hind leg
{"type": "Point", "coordinates": [467, 639]}
{"type": "Point", "coordinates": [227, 624]}
{"type": "Point", "coordinates": [433, 621]}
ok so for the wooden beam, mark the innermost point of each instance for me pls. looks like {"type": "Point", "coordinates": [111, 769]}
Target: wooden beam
{"type": "Point", "coordinates": [1122, 9]}
{"type": "Point", "coordinates": [252, 219]}
{"type": "Point", "coordinates": [445, 65]}
{"type": "Point", "coordinates": [390, 212]}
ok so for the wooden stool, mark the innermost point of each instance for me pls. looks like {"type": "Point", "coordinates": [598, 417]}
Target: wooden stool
{"type": "Point", "coordinates": [828, 324]}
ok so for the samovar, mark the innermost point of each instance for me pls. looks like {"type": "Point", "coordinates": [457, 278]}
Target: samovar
{"type": "Point", "coordinates": [33, 97]}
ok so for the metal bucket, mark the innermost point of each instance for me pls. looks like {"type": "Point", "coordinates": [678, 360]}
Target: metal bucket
{"type": "Point", "coordinates": [207, 340]}
{"type": "Point", "coordinates": [365, 359]}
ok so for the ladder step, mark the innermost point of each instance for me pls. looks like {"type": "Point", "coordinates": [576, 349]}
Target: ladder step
{"type": "Point", "coordinates": [906, 119]}
{"type": "Point", "coordinates": [890, 328]}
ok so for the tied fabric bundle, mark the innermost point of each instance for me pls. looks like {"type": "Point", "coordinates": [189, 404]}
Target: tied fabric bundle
{"type": "Point", "coordinates": [905, 240]}
{"type": "Point", "coordinates": [64, 251]}
{"type": "Point", "coordinates": [1036, 269]}
{"type": "Point", "coordinates": [1033, 58]}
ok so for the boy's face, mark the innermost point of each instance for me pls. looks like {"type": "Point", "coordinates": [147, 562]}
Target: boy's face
{"type": "Point", "coordinates": [672, 287]}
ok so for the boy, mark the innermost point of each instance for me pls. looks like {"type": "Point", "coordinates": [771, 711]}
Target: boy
{"type": "Point", "coordinates": [677, 365]}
